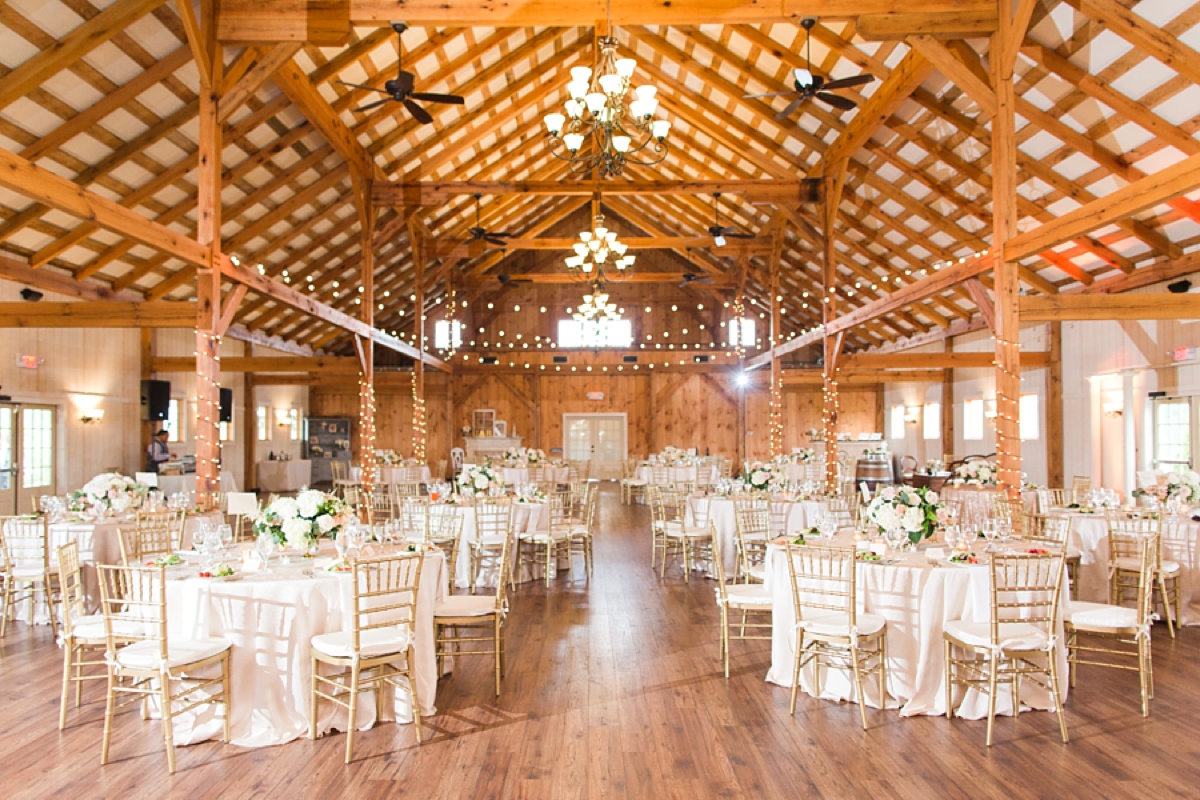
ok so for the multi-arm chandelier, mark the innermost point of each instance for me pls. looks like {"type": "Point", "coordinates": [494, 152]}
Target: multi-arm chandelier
{"type": "Point", "coordinates": [599, 256]}
{"type": "Point", "coordinates": [595, 308]}
{"type": "Point", "coordinates": [621, 133]}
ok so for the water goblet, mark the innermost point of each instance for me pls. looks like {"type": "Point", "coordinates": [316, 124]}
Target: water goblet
{"type": "Point", "coordinates": [827, 524]}
{"type": "Point", "coordinates": [265, 545]}
{"type": "Point", "coordinates": [989, 533]}
{"type": "Point", "coordinates": [225, 531]}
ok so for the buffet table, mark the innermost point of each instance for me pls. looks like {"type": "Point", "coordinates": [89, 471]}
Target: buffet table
{"type": "Point", "coordinates": [283, 476]}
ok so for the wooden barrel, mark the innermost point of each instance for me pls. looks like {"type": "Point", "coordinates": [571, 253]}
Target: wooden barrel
{"type": "Point", "coordinates": [874, 469]}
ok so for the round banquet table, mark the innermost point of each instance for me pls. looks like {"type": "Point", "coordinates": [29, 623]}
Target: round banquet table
{"type": "Point", "coordinates": [917, 599]}
{"type": "Point", "coordinates": [100, 543]}
{"type": "Point", "coordinates": [390, 475]}
{"type": "Point", "coordinates": [519, 476]}
{"type": "Point", "coordinates": [271, 618]}
{"type": "Point", "coordinates": [722, 516]}
{"type": "Point", "coordinates": [1181, 542]}
{"type": "Point", "coordinates": [977, 500]}
{"type": "Point", "coordinates": [526, 518]}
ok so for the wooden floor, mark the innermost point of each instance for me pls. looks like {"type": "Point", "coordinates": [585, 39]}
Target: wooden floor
{"type": "Point", "coordinates": [614, 690]}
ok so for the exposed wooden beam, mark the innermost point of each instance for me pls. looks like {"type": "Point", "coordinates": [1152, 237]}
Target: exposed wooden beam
{"type": "Point", "coordinates": [242, 333]}
{"type": "Point", "coordinates": [1146, 193]}
{"type": "Point", "coordinates": [454, 248]}
{"type": "Point", "coordinates": [73, 46]}
{"type": "Point", "coordinates": [816, 377]}
{"type": "Point", "coordinates": [52, 280]}
{"type": "Point", "coordinates": [956, 71]}
{"type": "Point", "coordinates": [30, 180]}
{"type": "Point", "coordinates": [934, 361]}
{"type": "Point", "coordinates": [254, 78]}
{"type": "Point", "coordinates": [983, 301]}
{"type": "Point", "coordinates": [98, 314]}
{"type": "Point", "coordinates": [1143, 34]}
{"type": "Point", "coordinates": [434, 193]}
{"type": "Point", "coordinates": [944, 25]}
{"type": "Point", "coordinates": [195, 40]}
{"type": "Point", "coordinates": [564, 278]}
{"type": "Point", "coordinates": [261, 363]}
{"type": "Point", "coordinates": [1062, 307]}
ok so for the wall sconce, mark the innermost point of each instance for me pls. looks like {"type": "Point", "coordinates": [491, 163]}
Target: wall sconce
{"type": "Point", "coordinates": [989, 411]}
{"type": "Point", "coordinates": [91, 415]}
{"type": "Point", "coordinates": [1113, 410]}
{"type": "Point", "coordinates": [281, 417]}
{"type": "Point", "coordinates": [912, 414]}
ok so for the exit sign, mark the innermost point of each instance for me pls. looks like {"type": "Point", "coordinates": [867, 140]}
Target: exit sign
{"type": "Point", "coordinates": [25, 361]}
{"type": "Point", "coordinates": [1186, 353]}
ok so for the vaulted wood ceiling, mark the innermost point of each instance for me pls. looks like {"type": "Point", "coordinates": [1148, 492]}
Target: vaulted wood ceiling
{"type": "Point", "coordinates": [106, 96]}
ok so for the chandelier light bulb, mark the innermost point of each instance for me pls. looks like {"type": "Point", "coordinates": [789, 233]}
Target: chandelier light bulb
{"type": "Point", "coordinates": [554, 123]}
{"type": "Point", "coordinates": [621, 143]}
{"type": "Point", "coordinates": [659, 129]}
{"type": "Point", "coordinates": [625, 67]}
{"type": "Point", "coordinates": [574, 141]}
{"type": "Point", "coordinates": [595, 101]}
{"type": "Point", "coordinates": [611, 84]}
{"type": "Point", "coordinates": [581, 74]}
{"type": "Point", "coordinates": [575, 107]}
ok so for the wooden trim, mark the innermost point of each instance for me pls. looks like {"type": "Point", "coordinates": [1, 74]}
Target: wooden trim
{"type": "Point", "coordinates": [51, 280]}
{"type": "Point", "coordinates": [935, 361]}
{"type": "Point", "coordinates": [1037, 308]}
{"type": "Point", "coordinates": [944, 25]}
{"type": "Point", "coordinates": [257, 364]}
{"type": "Point", "coordinates": [435, 193]}
{"type": "Point", "coordinates": [99, 314]}
{"type": "Point", "coordinates": [956, 71]}
{"type": "Point", "coordinates": [255, 77]}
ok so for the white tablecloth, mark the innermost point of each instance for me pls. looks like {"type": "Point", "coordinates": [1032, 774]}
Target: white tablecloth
{"type": "Point", "coordinates": [394, 474]}
{"type": "Point", "coordinates": [977, 500]}
{"type": "Point", "coordinates": [271, 619]}
{"type": "Point", "coordinates": [526, 517]}
{"type": "Point", "coordinates": [678, 474]}
{"type": "Point", "coordinates": [1181, 542]}
{"type": "Point", "coordinates": [170, 484]}
{"type": "Point", "coordinates": [811, 471]}
{"type": "Point", "coordinates": [519, 476]}
{"type": "Point", "coordinates": [283, 476]}
{"type": "Point", "coordinates": [917, 599]}
{"type": "Point", "coordinates": [721, 514]}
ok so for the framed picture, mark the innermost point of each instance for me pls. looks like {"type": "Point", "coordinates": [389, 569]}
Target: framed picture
{"type": "Point", "coordinates": [483, 421]}
{"type": "Point", "coordinates": [500, 428]}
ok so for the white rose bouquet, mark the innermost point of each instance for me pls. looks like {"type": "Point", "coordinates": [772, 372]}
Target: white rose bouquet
{"type": "Point", "coordinates": [388, 458]}
{"type": "Point", "coordinates": [976, 473]}
{"type": "Point", "coordinates": [480, 478]}
{"type": "Point", "coordinates": [670, 455]}
{"type": "Point", "coordinates": [300, 521]}
{"type": "Point", "coordinates": [917, 511]}
{"type": "Point", "coordinates": [766, 476]}
{"type": "Point", "coordinates": [512, 454]}
{"type": "Point", "coordinates": [533, 456]}
{"type": "Point", "coordinates": [106, 495]}
{"type": "Point", "coordinates": [1184, 485]}
{"type": "Point", "coordinates": [805, 455]}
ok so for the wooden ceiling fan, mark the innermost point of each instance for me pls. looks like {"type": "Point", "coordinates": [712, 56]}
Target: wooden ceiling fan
{"type": "Point", "coordinates": [479, 233]}
{"type": "Point", "coordinates": [808, 84]}
{"type": "Point", "coordinates": [721, 233]}
{"type": "Point", "coordinates": [400, 90]}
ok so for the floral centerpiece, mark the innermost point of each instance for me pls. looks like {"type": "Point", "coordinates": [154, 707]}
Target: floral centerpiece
{"type": "Point", "coordinates": [300, 521]}
{"type": "Point", "coordinates": [671, 455]}
{"type": "Point", "coordinates": [480, 478]}
{"type": "Point", "coordinates": [1184, 485]}
{"type": "Point", "coordinates": [804, 455]}
{"type": "Point", "coordinates": [533, 456]}
{"type": "Point", "coordinates": [766, 476]}
{"type": "Point", "coordinates": [976, 473]}
{"type": "Point", "coordinates": [512, 454]}
{"type": "Point", "coordinates": [106, 495]}
{"type": "Point", "coordinates": [388, 458]}
{"type": "Point", "coordinates": [917, 512]}
{"type": "Point", "coordinates": [934, 465]}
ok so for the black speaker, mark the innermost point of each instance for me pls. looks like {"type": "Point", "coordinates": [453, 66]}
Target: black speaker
{"type": "Point", "coordinates": [156, 400]}
{"type": "Point", "coordinates": [226, 406]}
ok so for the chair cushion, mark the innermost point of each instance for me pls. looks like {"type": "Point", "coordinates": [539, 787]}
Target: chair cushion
{"type": "Point", "coordinates": [372, 642]}
{"type": "Point", "coordinates": [1014, 636]}
{"type": "Point", "coordinates": [837, 623]}
{"type": "Point", "coordinates": [465, 605]}
{"type": "Point", "coordinates": [144, 655]}
{"type": "Point", "coordinates": [747, 594]}
{"type": "Point", "coordinates": [92, 627]}
{"type": "Point", "coordinates": [31, 573]}
{"type": "Point", "coordinates": [1135, 565]}
{"type": "Point", "coordinates": [677, 530]}
{"type": "Point", "coordinates": [758, 572]}
{"type": "Point", "coordinates": [1101, 615]}
{"type": "Point", "coordinates": [489, 541]}
{"type": "Point", "coordinates": [633, 482]}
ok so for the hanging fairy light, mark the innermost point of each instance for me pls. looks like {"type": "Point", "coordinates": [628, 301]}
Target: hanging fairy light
{"type": "Point", "coordinates": [622, 130]}
{"type": "Point", "coordinates": [599, 255]}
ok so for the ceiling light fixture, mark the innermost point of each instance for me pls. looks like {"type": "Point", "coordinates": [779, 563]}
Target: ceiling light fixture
{"type": "Point", "coordinates": [596, 250]}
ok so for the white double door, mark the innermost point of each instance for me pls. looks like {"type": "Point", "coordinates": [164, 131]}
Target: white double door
{"type": "Point", "coordinates": [26, 456]}
{"type": "Point", "coordinates": [598, 438]}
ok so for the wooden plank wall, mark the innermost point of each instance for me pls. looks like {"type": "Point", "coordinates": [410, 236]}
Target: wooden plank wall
{"type": "Point", "coordinates": [697, 410]}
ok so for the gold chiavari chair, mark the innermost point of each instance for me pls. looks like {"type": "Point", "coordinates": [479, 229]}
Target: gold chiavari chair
{"type": "Point", "coordinates": [660, 475]}
{"type": "Point", "coordinates": [752, 518]}
{"type": "Point", "coordinates": [689, 541]}
{"type": "Point", "coordinates": [144, 663]}
{"type": "Point", "coordinates": [752, 600]}
{"type": "Point", "coordinates": [582, 531]}
{"type": "Point", "coordinates": [149, 537]}
{"type": "Point", "coordinates": [1080, 486]}
{"type": "Point", "coordinates": [544, 547]}
{"type": "Point", "coordinates": [84, 640]}
{"type": "Point", "coordinates": [658, 524]}
{"type": "Point", "coordinates": [779, 508]}
{"type": "Point", "coordinates": [1125, 532]}
{"type": "Point", "coordinates": [443, 527]}
{"type": "Point", "coordinates": [352, 496]}
{"type": "Point", "coordinates": [414, 522]}
{"type": "Point", "coordinates": [340, 472]}
{"type": "Point", "coordinates": [378, 648]}
{"type": "Point", "coordinates": [1055, 530]}
{"type": "Point", "coordinates": [578, 493]}
{"type": "Point", "coordinates": [381, 507]}
{"type": "Point", "coordinates": [439, 472]}
{"type": "Point", "coordinates": [830, 631]}
{"type": "Point", "coordinates": [631, 485]}
{"type": "Point", "coordinates": [1050, 499]}
{"type": "Point", "coordinates": [536, 474]}
{"type": "Point", "coordinates": [482, 615]}
{"type": "Point", "coordinates": [1110, 636]}
{"type": "Point", "coordinates": [493, 527]}
{"type": "Point", "coordinates": [407, 489]}
{"type": "Point", "coordinates": [578, 471]}
{"type": "Point", "coordinates": [844, 508]}
{"type": "Point", "coordinates": [30, 568]}
{"type": "Point", "coordinates": [1017, 642]}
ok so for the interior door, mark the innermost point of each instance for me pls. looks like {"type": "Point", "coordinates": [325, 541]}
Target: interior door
{"type": "Point", "coordinates": [35, 455]}
{"type": "Point", "coordinates": [8, 460]}
{"type": "Point", "coordinates": [598, 438]}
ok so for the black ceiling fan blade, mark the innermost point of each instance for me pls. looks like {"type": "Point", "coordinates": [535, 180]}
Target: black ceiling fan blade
{"type": "Point", "coordinates": [419, 114]}
{"type": "Point", "coordinates": [844, 103]}
{"type": "Point", "coordinates": [364, 88]}
{"type": "Point", "coordinates": [791, 107]}
{"type": "Point", "coordinates": [503, 235]}
{"type": "Point", "coordinates": [849, 83]}
{"type": "Point", "coordinates": [494, 240]}
{"type": "Point", "coordinates": [433, 97]}
{"type": "Point", "coordinates": [739, 235]}
{"type": "Point", "coordinates": [767, 94]}
{"type": "Point", "coordinates": [369, 106]}
{"type": "Point", "coordinates": [405, 82]}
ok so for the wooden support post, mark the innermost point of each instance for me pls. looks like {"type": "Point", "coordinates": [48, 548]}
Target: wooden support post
{"type": "Point", "coordinates": [249, 431]}
{"type": "Point", "coordinates": [208, 283]}
{"type": "Point", "coordinates": [834, 181]}
{"type": "Point", "coordinates": [1006, 282]}
{"type": "Point", "coordinates": [947, 406]}
{"type": "Point", "coordinates": [418, 254]}
{"type": "Point", "coordinates": [536, 411]}
{"type": "Point", "coordinates": [1055, 468]}
{"type": "Point", "coordinates": [147, 427]}
{"type": "Point", "coordinates": [743, 385]}
{"type": "Point", "coordinates": [776, 404]}
{"type": "Point", "coordinates": [366, 346]}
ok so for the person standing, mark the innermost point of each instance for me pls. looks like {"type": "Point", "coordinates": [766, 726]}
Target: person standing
{"type": "Point", "coordinates": [157, 452]}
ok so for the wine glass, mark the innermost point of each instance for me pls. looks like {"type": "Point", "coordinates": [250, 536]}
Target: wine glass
{"type": "Point", "coordinates": [952, 537]}
{"type": "Point", "coordinates": [211, 544]}
{"type": "Point", "coordinates": [1003, 532]}
{"type": "Point", "coordinates": [226, 533]}
{"type": "Point", "coordinates": [265, 545]}
{"type": "Point", "coordinates": [989, 532]}
{"type": "Point", "coordinates": [827, 524]}
{"type": "Point", "coordinates": [341, 542]}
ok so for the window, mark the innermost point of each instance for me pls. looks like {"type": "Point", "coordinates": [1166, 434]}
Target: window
{"type": "Point", "coordinates": [225, 429]}
{"type": "Point", "coordinates": [293, 418]}
{"type": "Point", "coordinates": [37, 447]}
{"type": "Point", "coordinates": [598, 333]}
{"type": "Point", "coordinates": [973, 419]}
{"type": "Point", "coordinates": [1030, 421]}
{"type": "Point", "coordinates": [933, 421]}
{"type": "Point", "coordinates": [262, 422]}
{"type": "Point", "coordinates": [447, 335]}
{"type": "Point", "coordinates": [742, 330]}
{"type": "Point", "coordinates": [174, 416]}
{"type": "Point", "coordinates": [1172, 434]}
{"type": "Point", "coordinates": [897, 422]}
